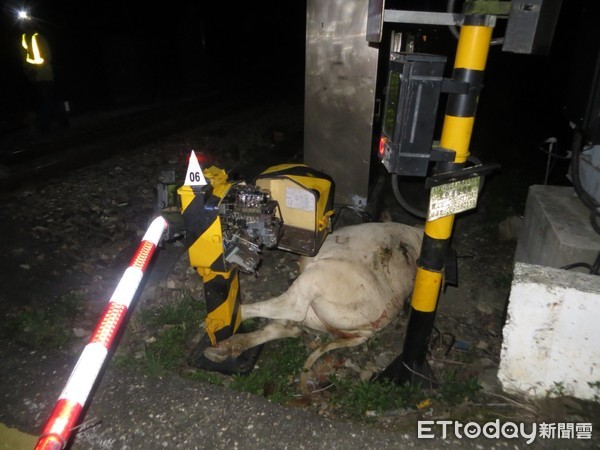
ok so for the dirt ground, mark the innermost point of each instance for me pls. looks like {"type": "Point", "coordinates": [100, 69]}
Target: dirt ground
{"type": "Point", "coordinates": [74, 234]}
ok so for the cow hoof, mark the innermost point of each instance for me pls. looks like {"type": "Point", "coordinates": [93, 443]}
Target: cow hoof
{"type": "Point", "coordinates": [218, 353]}
{"type": "Point", "coordinates": [223, 350]}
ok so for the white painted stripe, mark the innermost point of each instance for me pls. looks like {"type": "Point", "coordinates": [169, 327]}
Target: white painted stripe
{"type": "Point", "coordinates": [155, 230]}
{"type": "Point", "coordinates": [127, 287]}
{"type": "Point", "coordinates": [84, 374]}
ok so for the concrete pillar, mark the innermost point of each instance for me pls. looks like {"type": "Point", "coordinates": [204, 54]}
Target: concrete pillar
{"type": "Point", "coordinates": [556, 229]}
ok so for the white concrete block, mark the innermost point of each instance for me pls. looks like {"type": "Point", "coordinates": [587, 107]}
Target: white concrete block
{"type": "Point", "coordinates": [551, 339]}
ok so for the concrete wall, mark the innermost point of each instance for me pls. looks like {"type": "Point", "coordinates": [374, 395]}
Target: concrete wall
{"type": "Point", "coordinates": [552, 334]}
{"type": "Point", "coordinates": [556, 229]}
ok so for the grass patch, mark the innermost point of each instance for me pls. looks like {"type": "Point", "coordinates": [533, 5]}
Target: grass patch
{"type": "Point", "coordinates": [357, 399]}
{"type": "Point", "coordinates": [454, 390]}
{"type": "Point", "coordinates": [206, 377]}
{"type": "Point", "coordinates": [168, 351]}
{"type": "Point", "coordinates": [558, 390]}
{"type": "Point", "coordinates": [43, 327]}
{"type": "Point", "coordinates": [185, 311]}
{"type": "Point", "coordinates": [277, 367]}
{"type": "Point", "coordinates": [361, 399]}
{"type": "Point", "coordinates": [172, 325]}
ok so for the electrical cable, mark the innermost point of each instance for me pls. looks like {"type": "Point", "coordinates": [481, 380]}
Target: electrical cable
{"type": "Point", "coordinates": [586, 198]}
{"type": "Point", "coordinates": [440, 337]}
{"type": "Point", "coordinates": [551, 152]}
{"type": "Point", "coordinates": [363, 215]}
{"type": "Point", "coordinates": [400, 198]}
{"type": "Point", "coordinates": [594, 221]}
{"type": "Point", "coordinates": [594, 268]}
{"type": "Point", "coordinates": [473, 160]}
{"type": "Point", "coordinates": [553, 155]}
{"type": "Point", "coordinates": [450, 8]}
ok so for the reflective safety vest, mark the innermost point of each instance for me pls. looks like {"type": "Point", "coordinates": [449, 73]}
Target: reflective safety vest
{"type": "Point", "coordinates": [33, 51]}
{"type": "Point", "coordinates": [38, 58]}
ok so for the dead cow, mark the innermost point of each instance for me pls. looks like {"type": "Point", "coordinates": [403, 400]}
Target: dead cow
{"type": "Point", "coordinates": [356, 284]}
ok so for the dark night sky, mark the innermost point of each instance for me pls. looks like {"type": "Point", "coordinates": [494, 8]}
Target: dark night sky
{"type": "Point", "coordinates": [122, 52]}
{"type": "Point", "coordinates": [113, 53]}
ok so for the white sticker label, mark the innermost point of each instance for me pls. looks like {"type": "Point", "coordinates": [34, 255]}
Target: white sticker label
{"type": "Point", "coordinates": [299, 199]}
{"type": "Point", "coordinates": [453, 198]}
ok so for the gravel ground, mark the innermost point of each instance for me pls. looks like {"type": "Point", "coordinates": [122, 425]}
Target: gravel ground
{"type": "Point", "coordinates": [74, 235]}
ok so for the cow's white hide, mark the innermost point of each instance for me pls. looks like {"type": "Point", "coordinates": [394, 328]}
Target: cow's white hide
{"type": "Point", "coordinates": [356, 285]}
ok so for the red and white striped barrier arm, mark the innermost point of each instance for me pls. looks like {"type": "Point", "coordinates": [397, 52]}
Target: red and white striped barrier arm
{"type": "Point", "coordinates": [66, 412]}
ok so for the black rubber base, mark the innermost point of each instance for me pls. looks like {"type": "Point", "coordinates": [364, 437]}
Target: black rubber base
{"type": "Point", "coordinates": [400, 373]}
{"type": "Point", "coordinates": [241, 365]}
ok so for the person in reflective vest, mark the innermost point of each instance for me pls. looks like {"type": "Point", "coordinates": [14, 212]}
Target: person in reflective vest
{"type": "Point", "coordinates": [38, 68]}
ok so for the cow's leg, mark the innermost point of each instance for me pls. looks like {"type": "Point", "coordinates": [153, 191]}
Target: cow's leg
{"type": "Point", "coordinates": [235, 345]}
{"type": "Point", "coordinates": [291, 305]}
{"type": "Point", "coordinates": [333, 345]}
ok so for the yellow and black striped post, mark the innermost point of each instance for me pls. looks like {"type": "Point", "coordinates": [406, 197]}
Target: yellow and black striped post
{"type": "Point", "coordinates": [222, 296]}
{"type": "Point", "coordinates": [471, 55]}
{"type": "Point", "coordinates": [200, 207]}
{"type": "Point", "coordinates": [204, 233]}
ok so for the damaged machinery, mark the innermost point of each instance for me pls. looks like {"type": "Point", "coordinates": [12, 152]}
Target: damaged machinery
{"type": "Point", "coordinates": [227, 224]}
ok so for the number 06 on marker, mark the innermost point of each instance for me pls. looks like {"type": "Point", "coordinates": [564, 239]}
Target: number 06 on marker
{"type": "Point", "coordinates": [194, 175]}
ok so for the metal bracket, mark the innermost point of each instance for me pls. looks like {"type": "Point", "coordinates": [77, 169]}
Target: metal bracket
{"type": "Point", "coordinates": [462, 174]}
{"type": "Point", "coordinates": [430, 18]}
{"type": "Point", "coordinates": [451, 269]}
{"type": "Point", "coordinates": [423, 17]}
{"type": "Point", "coordinates": [495, 7]}
{"type": "Point", "coordinates": [442, 154]}
{"type": "Point", "coordinates": [377, 15]}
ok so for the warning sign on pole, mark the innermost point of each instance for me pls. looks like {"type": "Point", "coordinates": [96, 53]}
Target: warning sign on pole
{"type": "Point", "coordinates": [194, 175]}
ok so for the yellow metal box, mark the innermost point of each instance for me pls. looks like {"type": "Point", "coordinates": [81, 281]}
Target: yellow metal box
{"type": "Point", "coordinates": [305, 198]}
